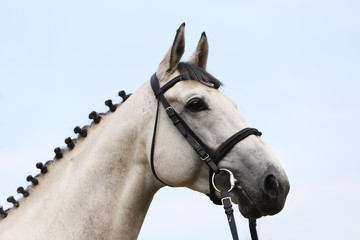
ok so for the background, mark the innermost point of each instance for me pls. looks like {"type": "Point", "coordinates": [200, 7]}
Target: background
{"type": "Point", "coordinates": [292, 67]}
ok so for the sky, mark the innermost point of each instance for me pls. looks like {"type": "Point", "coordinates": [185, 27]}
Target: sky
{"type": "Point", "coordinates": [291, 66]}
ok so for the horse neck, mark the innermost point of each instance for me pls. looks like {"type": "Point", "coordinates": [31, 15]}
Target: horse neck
{"type": "Point", "coordinates": [99, 190]}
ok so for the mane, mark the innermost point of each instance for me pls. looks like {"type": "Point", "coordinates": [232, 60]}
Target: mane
{"type": "Point", "coordinates": [193, 72]}
{"type": "Point", "coordinates": [71, 143]}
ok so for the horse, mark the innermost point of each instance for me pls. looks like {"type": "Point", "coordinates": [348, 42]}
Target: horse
{"type": "Point", "coordinates": [101, 185]}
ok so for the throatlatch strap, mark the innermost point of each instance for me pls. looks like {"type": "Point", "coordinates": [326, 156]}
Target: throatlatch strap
{"type": "Point", "coordinates": [153, 146]}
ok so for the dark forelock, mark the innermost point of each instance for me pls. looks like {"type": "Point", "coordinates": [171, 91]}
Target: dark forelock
{"type": "Point", "coordinates": [193, 72]}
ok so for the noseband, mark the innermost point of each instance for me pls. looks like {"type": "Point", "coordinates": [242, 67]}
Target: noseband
{"type": "Point", "coordinates": [210, 157]}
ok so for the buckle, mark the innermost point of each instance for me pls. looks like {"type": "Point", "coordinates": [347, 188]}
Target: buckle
{"type": "Point", "coordinates": [205, 158]}
{"type": "Point", "coordinates": [170, 111]}
{"type": "Point", "coordinates": [225, 198]}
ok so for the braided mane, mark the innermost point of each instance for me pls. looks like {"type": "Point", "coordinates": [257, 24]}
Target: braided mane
{"type": "Point", "coordinates": [71, 143]}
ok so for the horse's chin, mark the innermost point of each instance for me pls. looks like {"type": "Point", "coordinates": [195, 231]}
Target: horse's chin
{"type": "Point", "coordinates": [246, 206]}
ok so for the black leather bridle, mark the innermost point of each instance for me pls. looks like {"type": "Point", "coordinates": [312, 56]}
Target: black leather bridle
{"type": "Point", "coordinates": [210, 157]}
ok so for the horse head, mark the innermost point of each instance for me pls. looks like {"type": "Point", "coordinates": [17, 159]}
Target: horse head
{"type": "Point", "coordinates": [261, 185]}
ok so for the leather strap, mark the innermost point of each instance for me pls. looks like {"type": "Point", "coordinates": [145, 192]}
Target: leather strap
{"type": "Point", "coordinates": [153, 145]}
{"type": "Point", "coordinates": [226, 201]}
{"type": "Point", "coordinates": [252, 227]}
{"type": "Point", "coordinates": [225, 147]}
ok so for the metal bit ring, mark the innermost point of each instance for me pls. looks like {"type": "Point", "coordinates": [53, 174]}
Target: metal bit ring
{"type": "Point", "coordinates": [232, 179]}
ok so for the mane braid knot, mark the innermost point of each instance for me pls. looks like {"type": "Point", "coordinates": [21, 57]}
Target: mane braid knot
{"type": "Point", "coordinates": [33, 180]}
{"type": "Point", "coordinates": [12, 200]}
{"type": "Point", "coordinates": [3, 214]}
{"type": "Point", "coordinates": [93, 115]}
{"type": "Point", "coordinates": [81, 131]}
{"type": "Point", "coordinates": [58, 153]}
{"type": "Point", "coordinates": [123, 95]}
{"type": "Point", "coordinates": [70, 143]}
{"type": "Point", "coordinates": [42, 168]}
{"type": "Point", "coordinates": [110, 105]}
{"type": "Point", "coordinates": [23, 192]}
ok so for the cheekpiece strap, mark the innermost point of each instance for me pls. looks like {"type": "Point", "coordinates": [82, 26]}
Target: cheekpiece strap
{"type": "Point", "coordinates": [202, 150]}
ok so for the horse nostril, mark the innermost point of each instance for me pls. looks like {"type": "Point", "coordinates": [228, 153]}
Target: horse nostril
{"type": "Point", "coordinates": [271, 186]}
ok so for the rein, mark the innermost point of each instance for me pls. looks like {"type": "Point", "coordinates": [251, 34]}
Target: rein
{"type": "Point", "coordinates": [210, 157]}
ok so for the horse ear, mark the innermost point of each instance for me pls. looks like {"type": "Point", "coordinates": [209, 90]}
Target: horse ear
{"type": "Point", "coordinates": [200, 55]}
{"type": "Point", "coordinates": [172, 58]}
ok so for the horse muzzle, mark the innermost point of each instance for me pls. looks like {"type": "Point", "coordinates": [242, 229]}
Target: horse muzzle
{"type": "Point", "coordinates": [267, 198]}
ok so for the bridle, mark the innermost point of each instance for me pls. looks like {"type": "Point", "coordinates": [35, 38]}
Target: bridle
{"type": "Point", "coordinates": [210, 157]}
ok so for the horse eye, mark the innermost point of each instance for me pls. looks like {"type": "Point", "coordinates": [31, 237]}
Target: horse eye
{"type": "Point", "coordinates": [196, 105]}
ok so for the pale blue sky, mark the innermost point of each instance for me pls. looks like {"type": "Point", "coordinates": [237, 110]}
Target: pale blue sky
{"type": "Point", "coordinates": [292, 67]}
